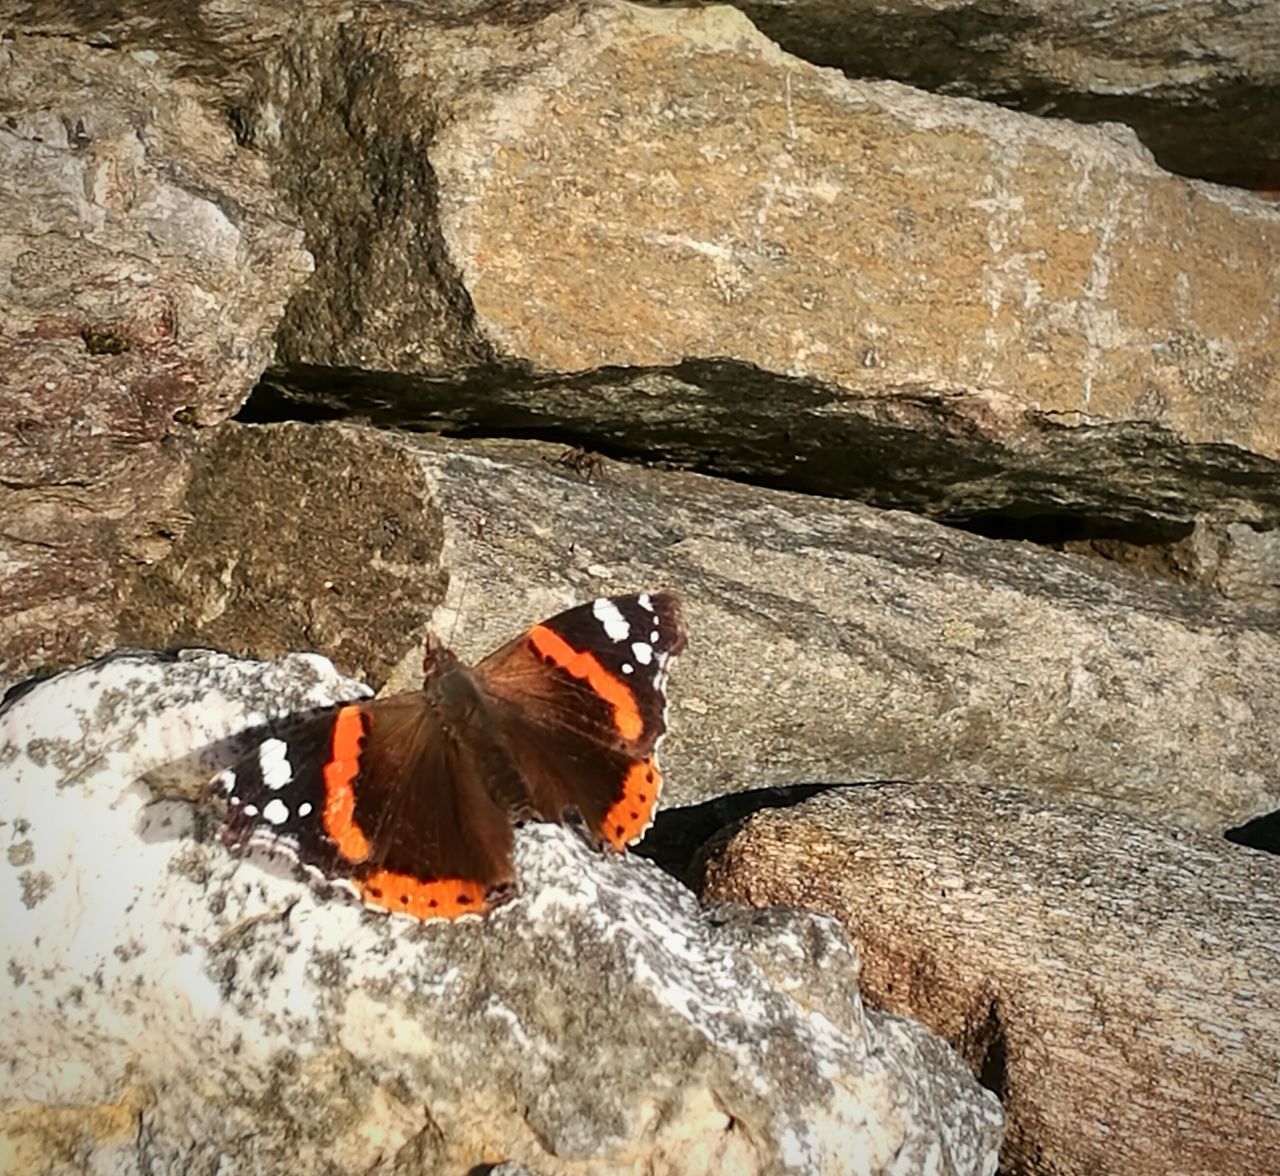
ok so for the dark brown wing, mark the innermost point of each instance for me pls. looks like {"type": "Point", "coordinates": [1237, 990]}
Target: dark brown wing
{"type": "Point", "coordinates": [377, 795]}
{"type": "Point", "coordinates": [580, 701]}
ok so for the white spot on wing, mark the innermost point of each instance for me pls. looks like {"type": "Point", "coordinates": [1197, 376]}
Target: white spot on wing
{"type": "Point", "coordinates": [645, 602]}
{"type": "Point", "coordinates": [654, 635]}
{"type": "Point", "coordinates": [273, 759]}
{"type": "Point", "coordinates": [250, 810]}
{"type": "Point", "coordinates": [226, 780]}
{"type": "Point", "coordinates": [643, 652]}
{"type": "Point", "coordinates": [276, 811]}
{"type": "Point", "coordinates": [615, 624]}
{"type": "Point", "coordinates": [628, 668]}
{"type": "Point", "coordinates": [304, 809]}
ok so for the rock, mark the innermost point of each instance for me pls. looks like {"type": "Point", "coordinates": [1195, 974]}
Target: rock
{"type": "Point", "coordinates": [181, 1008]}
{"type": "Point", "coordinates": [827, 640]}
{"type": "Point", "coordinates": [1116, 982]}
{"type": "Point", "coordinates": [1201, 94]}
{"type": "Point", "coordinates": [145, 263]}
{"type": "Point", "coordinates": [674, 239]}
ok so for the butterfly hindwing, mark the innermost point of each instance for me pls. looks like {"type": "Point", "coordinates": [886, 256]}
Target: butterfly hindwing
{"type": "Point", "coordinates": [382, 802]}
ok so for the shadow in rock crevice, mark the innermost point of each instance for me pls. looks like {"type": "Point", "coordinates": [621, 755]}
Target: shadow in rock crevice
{"type": "Point", "coordinates": [1260, 833]}
{"type": "Point", "coordinates": [677, 835]}
{"type": "Point", "coordinates": [1041, 477]}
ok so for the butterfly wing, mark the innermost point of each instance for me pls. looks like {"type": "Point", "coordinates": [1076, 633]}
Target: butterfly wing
{"type": "Point", "coordinates": [580, 701]}
{"type": "Point", "coordinates": [376, 796]}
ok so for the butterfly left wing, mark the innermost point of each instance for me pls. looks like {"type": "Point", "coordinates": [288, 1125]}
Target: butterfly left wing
{"type": "Point", "coordinates": [580, 701]}
{"type": "Point", "coordinates": [378, 798]}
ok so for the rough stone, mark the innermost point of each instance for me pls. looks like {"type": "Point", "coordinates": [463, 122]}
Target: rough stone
{"type": "Point", "coordinates": [828, 640]}
{"type": "Point", "coordinates": [143, 267]}
{"type": "Point", "coordinates": [994, 311]}
{"type": "Point", "coordinates": [203, 1009]}
{"type": "Point", "coordinates": [1199, 85]}
{"type": "Point", "coordinates": [331, 543]}
{"type": "Point", "coordinates": [1117, 984]}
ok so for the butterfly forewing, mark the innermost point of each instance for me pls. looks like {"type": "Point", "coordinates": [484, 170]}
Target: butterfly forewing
{"type": "Point", "coordinates": [586, 706]}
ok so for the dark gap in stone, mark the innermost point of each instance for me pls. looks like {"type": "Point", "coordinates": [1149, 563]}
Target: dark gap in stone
{"type": "Point", "coordinates": [1260, 833]}
{"type": "Point", "coordinates": [1053, 530]}
{"type": "Point", "coordinates": [677, 834]}
{"type": "Point", "coordinates": [1119, 483]}
{"type": "Point", "coordinates": [993, 1071]}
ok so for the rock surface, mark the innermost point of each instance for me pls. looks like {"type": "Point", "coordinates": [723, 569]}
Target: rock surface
{"type": "Point", "coordinates": [827, 640]}
{"type": "Point", "coordinates": [1116, 983]}
{"type": "Point", "coordinates": [762, 268]}
{"type": "Point", "coordinates": [1199, 85]}
{"type": "Point", "coordinates": [201, 1006]}
{"type": "Point", "coordinates": [143, 267]}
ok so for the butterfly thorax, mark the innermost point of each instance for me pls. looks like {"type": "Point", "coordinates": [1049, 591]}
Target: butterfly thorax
{"type": "Point", "coordinates": [451, 690]}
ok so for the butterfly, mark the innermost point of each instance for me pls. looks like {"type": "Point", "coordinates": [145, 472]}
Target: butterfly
{"type": "Point", "coordinates": [410, 801]}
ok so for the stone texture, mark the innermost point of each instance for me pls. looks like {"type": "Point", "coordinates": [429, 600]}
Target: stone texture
{"type": "Point", "coordinates": [332, 542]}
{"type": "Point", "coordinates": [1001, 312]}
{"type": "Point", "coordinates": [1199, 83]}
{"type": "Point", "coordinates": [143, 266]}
{"type": "Point", "coordinates": [1116, 984]}
{"type": "Point", "coordinates": [827, 640]}
{"type": "Point", "coordinates": [202, 1010]}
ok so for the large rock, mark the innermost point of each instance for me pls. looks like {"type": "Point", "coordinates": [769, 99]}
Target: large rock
{"type": "Point", "coordinates": [827, 640]}
{"type": "Point", "coordinates": [1119, 986]}
{"type": "Point", "coordinates": [172, 1008]}
{"type": "Point", "coordinates": [762, 268]}
{"type": "Point", "coordinates": [1199, 86]}
{"type": "Point", "coordinates": [143, 266]}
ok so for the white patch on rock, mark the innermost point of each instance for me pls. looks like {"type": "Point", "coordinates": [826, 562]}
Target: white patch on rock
{"type": "Point", "coordinates": [199, 961]}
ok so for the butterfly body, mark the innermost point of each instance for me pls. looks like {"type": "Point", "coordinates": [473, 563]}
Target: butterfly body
{"type": "Point", "coordinates": [410, 801]}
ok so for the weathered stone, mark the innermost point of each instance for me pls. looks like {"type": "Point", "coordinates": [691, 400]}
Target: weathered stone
{"type": "Point", "coordinates": [230, 1013]}
{"type": "Point", "coordinates": [1199, 85]}
{"type": "Point", "coordinates": [143, 266]}
{"type": "Point", "coordinates": [827, 640]}
{"type": "Point", "coordinates": [321, 540]}
{"type": "Point", "coordinates": [1119, 986]}
{"type": "Point", "coordinates": [923, 301]}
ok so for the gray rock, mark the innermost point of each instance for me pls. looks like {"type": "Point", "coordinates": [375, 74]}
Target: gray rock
{"type": "Point", "coordinates": [1116, 983]}
{"type": "Point", "coordinates": [602, 1021]}
{"type": "Point", "coordinates": [827, 640]}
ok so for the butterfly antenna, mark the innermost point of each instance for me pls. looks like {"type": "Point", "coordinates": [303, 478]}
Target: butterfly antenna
{"type": "Point", "coordinates": [457, 608]}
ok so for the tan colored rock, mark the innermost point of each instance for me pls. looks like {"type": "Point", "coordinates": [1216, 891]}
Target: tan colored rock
{"type": "Point", "coordinates": [143, 266]}
{"type": "Point", "coordinates": [1117, 986]}
{"type": "Point", "coordinates": [826, 640]}
{"type": "Point", "coordinates": [762, 268]}
{"type": "Point", "coordinates": [671, 184]}
{"type": "Point", "coordinates": [1199, 84]}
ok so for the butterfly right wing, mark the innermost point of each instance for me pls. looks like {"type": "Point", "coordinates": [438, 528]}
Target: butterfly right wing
{"type": "Point", "coordinates": [373, 796]}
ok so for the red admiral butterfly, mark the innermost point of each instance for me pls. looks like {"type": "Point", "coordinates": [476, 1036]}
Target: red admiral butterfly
{"type": "Point", "coordinates": [410, 801]}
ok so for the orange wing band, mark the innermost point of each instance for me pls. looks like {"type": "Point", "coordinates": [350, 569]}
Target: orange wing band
{"type": "Point", "coordinates": [441, 898]}
{"type": "Point", "coordinates": [339, 785]}
{"type": "Point", "coordinates": [626, 716]}
{"type": "Point", "coordinates": [627, 820]}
